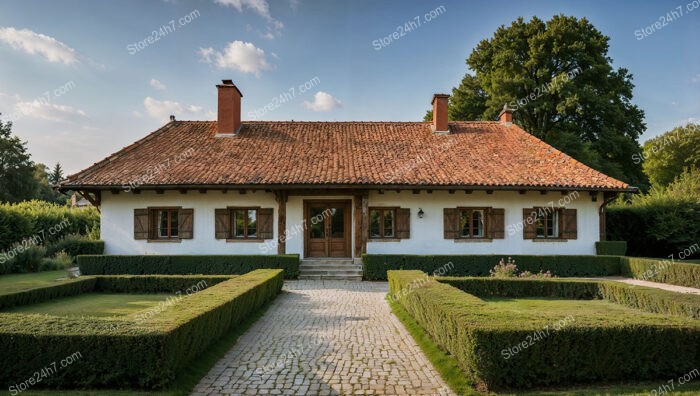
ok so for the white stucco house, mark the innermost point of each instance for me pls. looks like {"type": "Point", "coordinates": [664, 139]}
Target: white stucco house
{"type": "Point", "coordinates": [340, 189]}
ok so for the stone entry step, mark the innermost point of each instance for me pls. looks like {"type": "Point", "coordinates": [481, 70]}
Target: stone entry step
{"type": "Point", "coordinates": [331, 269]}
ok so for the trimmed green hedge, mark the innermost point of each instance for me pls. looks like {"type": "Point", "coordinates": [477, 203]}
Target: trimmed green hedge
{"type": "Point", "coordinates": [590, 348]}
{"type": "Point", "coordinates": [119, 352]}
{"type": "Point", "coordinates": [637, 297]}
{"type": "Point", "coordinates": [109, 284]}
{"type": "Point", "coordinates": [375, 266]}
{"type": "Point", "coordinates": [41, 294]}
{"type": "Point", "coordinates": [186, 264]}
{"type": "Point", "coordinates": [664, 271]}
{"type": "Point", "coordinates": [611, 248]}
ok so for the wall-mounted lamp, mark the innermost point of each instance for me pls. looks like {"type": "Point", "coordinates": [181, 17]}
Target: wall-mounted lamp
{"type": "Point", "coordinates": [420, 213]}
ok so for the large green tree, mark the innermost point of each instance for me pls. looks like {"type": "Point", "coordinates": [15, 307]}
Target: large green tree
{"type": "Point", "coordinates": [558, 77]}
{"type": "Point", "coordinates": [667, 156]}
{"type": "Point", "coordinates": [17, 181]}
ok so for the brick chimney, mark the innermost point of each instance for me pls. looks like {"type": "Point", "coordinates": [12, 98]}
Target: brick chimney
{"type": "Point", "coordinates": [440, 113]}
{"type": "Point", "coordinates": [506, 115]}
{"type": "Point", "coordinates": [229, 118]}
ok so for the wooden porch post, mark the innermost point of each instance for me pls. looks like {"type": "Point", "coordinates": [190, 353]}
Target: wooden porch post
{"type": "Point", "coordinates": [281, 197]}
{"type": "Point", "coordinates": [361, 223]}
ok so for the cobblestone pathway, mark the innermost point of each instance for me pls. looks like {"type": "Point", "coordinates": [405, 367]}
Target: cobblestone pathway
{"type": "Point", "coordinates": [325, 338]}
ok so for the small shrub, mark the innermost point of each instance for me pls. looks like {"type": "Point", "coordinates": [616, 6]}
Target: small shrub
{"type": "Point", "coordinates": [504, 270]}
{"type": "Point", "coordinates": [76, 244]}
{"type": "Point", "coordinates": [539, 275]}
{"type": "Point", "coordinates": [27, 258]}
{"type": "Point", "coordinates": [510, 270]}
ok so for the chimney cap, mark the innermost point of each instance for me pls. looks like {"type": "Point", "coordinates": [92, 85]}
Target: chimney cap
{"type": "Point", "coordinates": [172, 117]}
{"type": "Point", "coordinates": [506, 109]}
{"type": "Point", "coordinates": [439, 95]}
{"type": "Point", "coordinates": [229, 84]}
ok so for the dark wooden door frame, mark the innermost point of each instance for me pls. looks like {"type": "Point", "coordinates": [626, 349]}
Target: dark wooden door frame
{"type": "Point", "coordinates": [346, 204]}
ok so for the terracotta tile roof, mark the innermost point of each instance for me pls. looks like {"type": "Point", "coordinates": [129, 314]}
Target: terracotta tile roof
{"type": "Point", "coordinates": [478, 154]}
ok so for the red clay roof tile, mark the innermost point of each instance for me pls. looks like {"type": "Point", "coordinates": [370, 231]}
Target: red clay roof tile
{"type": "Point", "coordinates": [477, 154]}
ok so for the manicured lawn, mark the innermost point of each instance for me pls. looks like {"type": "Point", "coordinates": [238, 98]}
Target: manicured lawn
{"type": "Point", "coordinates": [95, 304]}
{"type": "Point", "coordinates": [18, 282]}
{"type": "Point", "coordinates": [592, 310]}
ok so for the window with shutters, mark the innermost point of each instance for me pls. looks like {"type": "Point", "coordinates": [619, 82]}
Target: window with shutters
{"type": "Point", "coordinates": [389, 224]}
{"type": "Point", "coordinates": [549, 224]}
{"type": "Point", "coordinates": [472, 223]}
{"type": "Point", "coordinates": [243, 224]}
{"type": "Point", "coordinates": [163, 224]}
{"type": "Point", "coordinates": [382, 223]}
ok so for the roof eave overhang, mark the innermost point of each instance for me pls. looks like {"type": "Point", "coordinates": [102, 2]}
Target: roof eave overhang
{"type": "Point", "coordinates": [90, 187]}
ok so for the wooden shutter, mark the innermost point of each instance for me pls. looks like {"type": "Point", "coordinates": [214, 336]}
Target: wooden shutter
{"type": "Point", "coordinates": [265, 223]}
{"type": "Point", "coordinates": [222, 223]}
{"type": "Point", "coordinates": [529, 226]}
{"type": "Point", "coordinates": [450, 218]}
{"type": "Point", "coordinates": [496, 223]}
{"type": "Point", "coordinates": [141, 228]}
{"type": "Point", "coordinates": [568, 224]}
{"type": "Point", "coordinates": [185, 223]}
{"type": "Point", "coordinates": [403, 223]}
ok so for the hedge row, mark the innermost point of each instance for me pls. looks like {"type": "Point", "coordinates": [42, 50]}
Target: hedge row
{"type": "Point", "coordinates": [47, 221]}
{"type": "Point", "coordinates": [375, 266]}
{"type": "Point", "coordinates": [186, 264]}
{"type": "Point", "coordinates": [664, 271]}
{"type": "Point", "coordinates": [588, 349]}
{"type": "Point", "coordinates": [637, 297]}
{"type": "Point", "coordinates": [109, 284]}
{"type": "Point", "coordinates": [119, 352]}
{"type": "Point", "coordinates": [611, 248]}
{"type": "Point", "coordinates": [655, 228]}
{"type": "Point", "coordinates": [41, 294]}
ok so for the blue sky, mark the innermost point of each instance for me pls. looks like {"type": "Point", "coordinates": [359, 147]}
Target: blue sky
{"type": "Point", "coordinates": [106, 91]}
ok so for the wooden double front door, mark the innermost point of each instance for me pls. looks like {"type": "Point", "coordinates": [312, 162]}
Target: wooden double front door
{"type": "Point", "coordinates": [328, 228]}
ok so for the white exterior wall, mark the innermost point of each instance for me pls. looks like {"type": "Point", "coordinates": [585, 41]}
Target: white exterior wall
{"type": "Point", "coordinates": [426, 233]}
{"type": "Point", "coordinates": [118, 221]}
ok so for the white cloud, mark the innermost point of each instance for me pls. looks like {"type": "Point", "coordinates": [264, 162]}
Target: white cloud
{"type": "Point", "coordinates": [35, 43]}
{"type": "Point", "coordinates": [696, 78]}
{"type": "Point", "coordinates": [323, 102]}
{"type": "Point", "coordinates": [260, 7]}
{"type": "Point", "coordinates": [49, 111]}
{"type": "Point", "coordinates": [157, 84]}
{"type": "Point", "coordinates": [237, 55]}
{"type": "Point", "coordinates": [162, 109]}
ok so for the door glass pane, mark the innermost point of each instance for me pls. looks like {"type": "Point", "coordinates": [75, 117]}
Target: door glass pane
{"type": "Point", "coordinates": [388, 223]}
{"type": "Point", "coordinates": [252, 223]}
{"type": "Point", "coordinates": [337, 222]}
{"type": "Point", "coordinates": [478, 223]}
{"type": "Point", "coordinates": [239, 217]}
{"type": "Point", "coordinates": [317, 223]}
{"type": "Point", "coordinates": [374, 218]}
